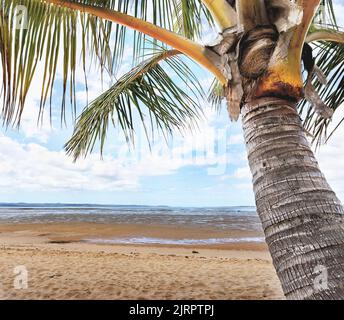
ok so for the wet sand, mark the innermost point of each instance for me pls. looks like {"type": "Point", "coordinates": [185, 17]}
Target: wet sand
{"type": "Point", "coordinates": [62, 265]}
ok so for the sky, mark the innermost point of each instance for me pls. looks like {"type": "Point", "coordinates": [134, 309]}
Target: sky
{"type": "Point", "coordinates": [207, 167]}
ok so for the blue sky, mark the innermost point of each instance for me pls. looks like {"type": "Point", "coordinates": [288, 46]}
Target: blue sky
{"type": "Point", "coordinates": [204, 168]}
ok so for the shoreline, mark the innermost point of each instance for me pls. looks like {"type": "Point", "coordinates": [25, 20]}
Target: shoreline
{"type": "Point", "coordinates": [86, 232]}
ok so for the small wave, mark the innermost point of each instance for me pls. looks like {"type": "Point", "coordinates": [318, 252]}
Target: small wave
{"type": "Point", "coordinates": [233, 218]}
{"type": "Point", "coordinates": [146, 240]}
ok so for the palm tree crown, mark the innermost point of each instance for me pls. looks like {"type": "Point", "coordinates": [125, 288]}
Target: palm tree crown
{"type": "Point", "coordinates": [271, 57]}
{"type": "Point", "coordinates": [56, 31]}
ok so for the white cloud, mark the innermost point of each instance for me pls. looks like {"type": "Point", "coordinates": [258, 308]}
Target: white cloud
{"type": "Point", "coordinates": [237, 139]}
{"type": "Point", "coordinates": [243, 173]}
{"type": "Point", "coordinates": [339, 11]}
{"type": "Point", "coordinates": [331, 156]}
{"type": "Point", "coordinates": [29, 125]}
{"type": "Point", "coordinates": [33, 167]}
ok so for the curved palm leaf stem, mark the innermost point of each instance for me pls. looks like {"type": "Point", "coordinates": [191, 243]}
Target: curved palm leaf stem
{"type": "Point", "coordinates": [326, 35]}
{"type": "Point", "coordinates": [167, 54]}
{"type": "Point", "coordinates": [197, 52]}
{"type": "Point", "coordinates": [223, 13]}
{"type": "Point", "coordinates": [300, 32]}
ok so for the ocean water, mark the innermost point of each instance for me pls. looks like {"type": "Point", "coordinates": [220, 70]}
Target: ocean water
{"type": "Point", "coordinates": [224, 218]}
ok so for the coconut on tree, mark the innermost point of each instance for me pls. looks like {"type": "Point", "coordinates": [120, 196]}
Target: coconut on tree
{"type": "Point", "coordinates": [275, 62]}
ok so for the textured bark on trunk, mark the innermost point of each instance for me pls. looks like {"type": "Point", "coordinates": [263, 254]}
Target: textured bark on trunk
{"type": "Point", "coordinates": [302, 218]}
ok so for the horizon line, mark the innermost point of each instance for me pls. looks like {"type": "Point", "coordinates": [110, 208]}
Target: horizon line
{"type": "Point", "coordinates": [3, 204]}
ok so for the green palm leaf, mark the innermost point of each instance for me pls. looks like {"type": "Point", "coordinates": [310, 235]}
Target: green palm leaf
{"type": "Point", "coordinates": [50, 35]}
{"type": "Point", "coordinates": [326, 16]}
{"type": "Point", "coordinates": [190, 17]}
{"type": "Point", "coordinates": [216, 94]}
{"type": "Point", "coordinates": [56, 36]}
{"type": "Point", "coordinates": [330, 59]}
{"type": "Point", "coordinates": [168, 106]}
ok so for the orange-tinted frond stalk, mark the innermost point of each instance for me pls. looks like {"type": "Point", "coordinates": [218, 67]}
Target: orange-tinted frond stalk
{"type": "Point", "coordinates": [192, 49]}
{"type": "Point", "coordinates": [223, 13]}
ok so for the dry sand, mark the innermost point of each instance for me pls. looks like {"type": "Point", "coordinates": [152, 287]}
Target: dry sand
{"type": "Point", "coordinates": [61, 266]}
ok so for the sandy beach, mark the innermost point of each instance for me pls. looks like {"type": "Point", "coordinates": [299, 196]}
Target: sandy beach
{"type": "Point", "coordinates": [62, 265]}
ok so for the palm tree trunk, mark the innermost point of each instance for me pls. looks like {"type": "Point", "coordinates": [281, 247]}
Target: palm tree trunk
{"type": "Point", "coordinates": [302, 218]}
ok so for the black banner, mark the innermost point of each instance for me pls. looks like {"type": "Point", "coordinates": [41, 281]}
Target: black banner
{"type": "Point", "coordinates": [151, 310]}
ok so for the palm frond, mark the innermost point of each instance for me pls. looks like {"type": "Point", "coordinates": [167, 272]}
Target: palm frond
{"type": "Point", "coordinates": [49, 34]}
{"type": "Point", "coordinates": [55, 36]}
{"type": "Point", "coordinates": [167, 105]}
{"type": "Point", "coordinates": [216, 94]}
{"type": "Point", "coordinates": [325, 16]}
{"type": "Point", "coordinates": [330, 59]}
{"type": "Point", "coordinates": [190, 16]}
